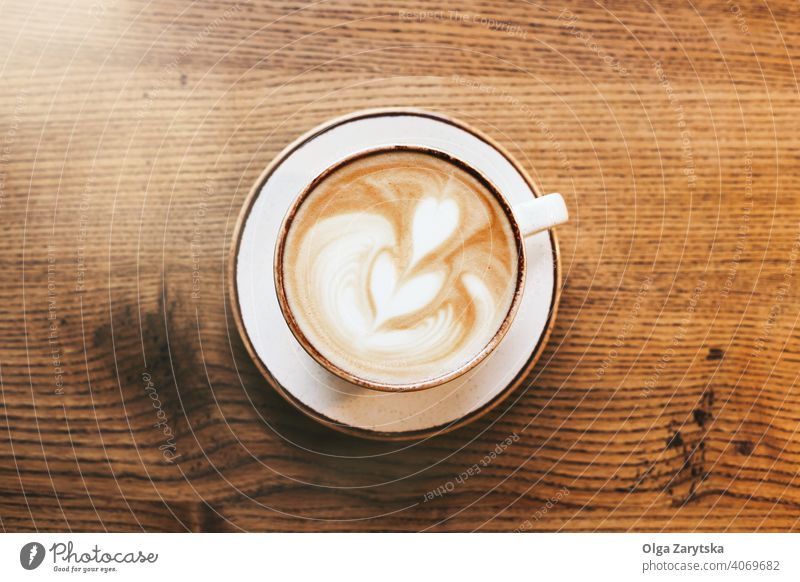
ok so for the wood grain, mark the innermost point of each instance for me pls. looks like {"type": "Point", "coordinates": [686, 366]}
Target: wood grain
{"type": "Point", "coordinates": [667, 398]}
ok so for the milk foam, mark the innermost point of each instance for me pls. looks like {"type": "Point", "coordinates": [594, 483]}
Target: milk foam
{"type": "Point", "coordinates": [399, 267]}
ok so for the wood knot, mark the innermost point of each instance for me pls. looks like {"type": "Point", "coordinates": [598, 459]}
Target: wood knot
{"type": "Point", "coordinates": [675, 441]}
{"type": "Point", "coordinates": [701, 416]}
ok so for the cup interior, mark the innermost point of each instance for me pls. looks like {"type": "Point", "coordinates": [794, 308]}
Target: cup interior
{"type": "Point", "coordinates": [352, 375]}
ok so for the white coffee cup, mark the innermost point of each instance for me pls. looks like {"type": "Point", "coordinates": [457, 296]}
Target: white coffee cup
{"type": "Point", "coordinates": [525, 219]}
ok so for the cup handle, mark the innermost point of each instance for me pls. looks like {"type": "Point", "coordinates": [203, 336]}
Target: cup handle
{"type": "Point", "coordinates": [540, 214]}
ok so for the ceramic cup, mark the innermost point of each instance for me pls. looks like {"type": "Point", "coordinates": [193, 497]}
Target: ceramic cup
{"type": "Point", "coordinates": [524, 219]}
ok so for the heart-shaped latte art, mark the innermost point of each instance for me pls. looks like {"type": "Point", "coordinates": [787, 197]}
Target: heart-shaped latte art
{"type": "Point", "coordinates": [435, 220]}
{"type": "Point", "coordinates": [392, 300]}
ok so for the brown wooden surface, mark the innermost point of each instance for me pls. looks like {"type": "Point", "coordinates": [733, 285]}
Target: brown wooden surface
{"type": "Point", "coordinates": [667, 398]}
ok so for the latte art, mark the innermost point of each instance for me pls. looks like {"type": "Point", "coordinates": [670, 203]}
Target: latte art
{"type": "Point", "coordinates": [399, 267]}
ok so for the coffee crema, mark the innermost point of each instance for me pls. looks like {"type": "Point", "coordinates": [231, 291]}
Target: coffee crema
{"type": "Point", "coordinates": [399, 266]}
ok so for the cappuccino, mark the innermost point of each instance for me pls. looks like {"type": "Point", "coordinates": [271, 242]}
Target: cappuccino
{"type": "Point", "coordinates": [399, 266]}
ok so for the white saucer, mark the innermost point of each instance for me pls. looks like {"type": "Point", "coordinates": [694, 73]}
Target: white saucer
{"type": "Point", "coordinates": [298, 377]}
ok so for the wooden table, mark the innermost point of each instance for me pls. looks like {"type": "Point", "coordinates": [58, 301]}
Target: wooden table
{"type": "Point", "coordinates": [667, 398]}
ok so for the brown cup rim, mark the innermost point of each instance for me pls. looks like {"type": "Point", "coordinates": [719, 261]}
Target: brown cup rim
{"type": "Point", "coordinates": [236, 311]}
{"type": "Point", "coordinates": [309, 346]}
